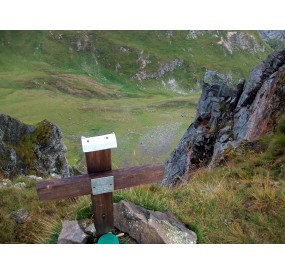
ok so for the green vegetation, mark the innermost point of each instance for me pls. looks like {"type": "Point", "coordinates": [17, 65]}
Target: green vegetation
{"type": "Point", "coordinates": [25, 149]}
{"type": "Point", "coordinates": [13, 198]}
{"type": "Point", "coordinates": [239, 202]}
{"type": "Point", "coordinates": [84, 81]}
{"type": "Point", "coordinates": [72, 79]}
{"type": "Point", "coordinates": [131, 119]}
{"type": "Point", "coordinates": [148, 197]}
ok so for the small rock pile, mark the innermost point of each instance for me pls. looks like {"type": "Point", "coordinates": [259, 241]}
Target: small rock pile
{"type": "Point", "coordinates": [141, 225]}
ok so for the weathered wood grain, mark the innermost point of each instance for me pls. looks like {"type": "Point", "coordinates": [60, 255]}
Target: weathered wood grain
{"type": "Point", "coordinates": [103, 215]}
{"type": "Point", "coordinates": [81, 185]}
{"type": "Point", "coordinates": [98, 161]}
{"type": "Point", "coordinates": [102, 204]}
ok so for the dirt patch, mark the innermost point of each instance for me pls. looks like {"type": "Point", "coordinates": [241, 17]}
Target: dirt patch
{"type": "Point", "coordinates": [83, 86]}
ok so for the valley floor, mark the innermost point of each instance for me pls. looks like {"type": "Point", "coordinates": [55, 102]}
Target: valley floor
{"type": "Point", "coordinates": [147, 127]}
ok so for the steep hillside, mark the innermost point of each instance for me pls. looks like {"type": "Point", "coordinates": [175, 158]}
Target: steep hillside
{"type": "Point", "coordinates": [160, 60]}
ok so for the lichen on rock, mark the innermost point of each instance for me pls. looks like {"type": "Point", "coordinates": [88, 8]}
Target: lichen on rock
{"type": "Point", "coordinates": [27, 149]}
{"type": "Point", "coordinates": [151, 227]}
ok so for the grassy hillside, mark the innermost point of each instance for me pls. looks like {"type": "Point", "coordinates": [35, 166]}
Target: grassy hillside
{"type": "Point", "coordinates": [239, 202]}
{"type": "Point", "coordinates": [97, 53]}
{"type": "Point", "coordinates": [86, 82]}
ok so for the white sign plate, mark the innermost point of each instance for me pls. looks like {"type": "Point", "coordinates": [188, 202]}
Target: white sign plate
{"type": "Point", "coordinates": [102, 185]}
{"type": "Point", "coordinates": [91, 144]}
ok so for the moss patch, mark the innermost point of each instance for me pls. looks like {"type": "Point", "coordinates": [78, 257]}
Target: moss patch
{"type": "Point", "coordinates": [42, 133]}
{"type": "Point", "coordinates": [26, 147]}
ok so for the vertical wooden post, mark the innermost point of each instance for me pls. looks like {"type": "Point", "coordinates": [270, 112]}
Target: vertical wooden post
{"type": "Point", "coordinates": [100, 161]}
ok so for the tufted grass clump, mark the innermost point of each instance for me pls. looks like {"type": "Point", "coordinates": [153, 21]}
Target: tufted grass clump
{"type": "Point", "coordinates": [50, 228]}
{"type": "Point", "coordinates": [81, 208]}
{"type": "Point", "coordinates": [149, 197]}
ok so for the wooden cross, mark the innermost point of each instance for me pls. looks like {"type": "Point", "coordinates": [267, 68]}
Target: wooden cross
{"type": "Point", "coordinates": [100, 181]}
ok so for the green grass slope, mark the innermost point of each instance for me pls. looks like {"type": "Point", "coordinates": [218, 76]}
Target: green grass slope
{"type": "Point", "coordinates": [116, 56]}
{"type": "Point", "coordinates": [86, 83]}
{"type": "Point", "coordinates": [239, 202]}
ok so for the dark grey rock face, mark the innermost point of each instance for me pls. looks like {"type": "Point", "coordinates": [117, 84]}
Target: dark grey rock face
{"type": "Point", "coordinates": [26, 149]}
{"type": "Point", "coordinates": [12, 130]}
{"type": "Point", "coordinates": [227, 116]}
{"type": "Point", "coordinates": [261, 100]}
{"type": "Point", "coordinates": [214, 113]}
{"type": "Point", "coordinates": [258, 76]}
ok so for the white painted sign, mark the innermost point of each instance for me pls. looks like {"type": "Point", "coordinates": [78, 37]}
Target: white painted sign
{"type": "Point", "coordinates": [98, 143]}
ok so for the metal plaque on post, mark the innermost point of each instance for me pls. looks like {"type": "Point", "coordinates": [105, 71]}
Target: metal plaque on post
{"type": "Point", "coordinates": [102, 185]}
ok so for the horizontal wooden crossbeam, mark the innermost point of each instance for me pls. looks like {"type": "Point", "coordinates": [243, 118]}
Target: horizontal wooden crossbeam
{"type": "Point", "coordinates": [81, 185]}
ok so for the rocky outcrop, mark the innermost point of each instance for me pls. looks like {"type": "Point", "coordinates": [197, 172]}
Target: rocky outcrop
{"type": "Point", "coordinates": [162, 70]}
{"type": "Point", "coordinates": [195, 34]}
{"type": "Point", "coordinates": [275, 38]}
{"type": "Point", "coordinates": [26, 149]}
{"type": "Point", "coordinates": [151, 227]}
{"type": "Point", "coordinates": [236, 41]}
{"type": "Point", "coordinates": [227, 116]}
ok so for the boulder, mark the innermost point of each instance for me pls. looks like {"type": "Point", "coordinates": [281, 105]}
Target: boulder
{"type": "Point", "coordinates": [151, 227]}
{"type": "Point", "coordinates": [71, 233]}
{"type": "Point", "coordinates": [20, 216]}
{"type": "Point", "coordinates": [27, 149]}
{"type": "Point", "coordinates": [5, 183]}
{"type": "Point", "coordinates": [227, 116]}
{"type": "Point", "coordinates": [87, 226]}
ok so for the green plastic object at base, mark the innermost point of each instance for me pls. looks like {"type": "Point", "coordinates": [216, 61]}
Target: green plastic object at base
{"type": "Point", "coordinates": [108, 239]}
